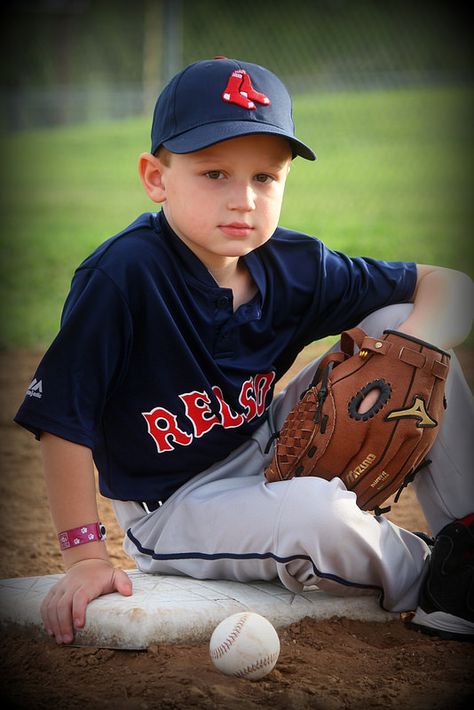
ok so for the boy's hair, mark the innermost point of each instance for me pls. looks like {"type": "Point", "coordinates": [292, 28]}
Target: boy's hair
{"type": "Point", "coordinates": [164, 155]}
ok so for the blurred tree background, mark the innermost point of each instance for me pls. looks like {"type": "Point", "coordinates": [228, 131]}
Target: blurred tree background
{"type": "Point", "coordinates": [84, 60]}
{"type": "Point", "coordinates": [382, 92]}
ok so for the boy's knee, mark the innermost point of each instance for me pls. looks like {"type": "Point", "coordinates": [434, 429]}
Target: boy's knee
{"type": "Point", "coordinates": [313, 504]}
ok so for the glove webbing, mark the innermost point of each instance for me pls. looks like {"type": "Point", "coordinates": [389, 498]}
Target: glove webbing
{"type": "Point", "coordinates": [322, 373]}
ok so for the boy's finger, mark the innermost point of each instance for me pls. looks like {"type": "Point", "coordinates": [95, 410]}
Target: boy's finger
{"type": "Point", "coordinates": [49, 615]}
{"type": "Point", "coordinates": [123, 583]}
{"type": "Point", "coordinates": [64, 617]}
{"type": "Point", "coordinates": [79, 605]}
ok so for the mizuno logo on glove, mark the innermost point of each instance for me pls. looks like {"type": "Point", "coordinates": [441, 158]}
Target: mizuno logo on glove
{"type": "Point", "coordinates": [416, 411]}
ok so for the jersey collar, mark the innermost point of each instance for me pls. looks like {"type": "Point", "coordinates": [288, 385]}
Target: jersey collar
{"type": "Point", "coordinates": [194, 267]}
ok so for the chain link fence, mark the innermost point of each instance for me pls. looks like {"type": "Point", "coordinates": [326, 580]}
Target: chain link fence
{"type": "Point", "coordinates": [382, 89]}
{"type": "Point", "coordinates": [71, 61]}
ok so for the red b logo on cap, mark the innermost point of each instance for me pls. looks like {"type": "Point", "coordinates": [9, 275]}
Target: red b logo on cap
{"type": "Point", "coordinates": [239, 90]}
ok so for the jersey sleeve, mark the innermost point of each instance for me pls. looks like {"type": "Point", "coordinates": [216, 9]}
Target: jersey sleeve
{"type": "Point", "coordinates": [347, 289]}
{"type": "Point", "coordinates": [83, 365]}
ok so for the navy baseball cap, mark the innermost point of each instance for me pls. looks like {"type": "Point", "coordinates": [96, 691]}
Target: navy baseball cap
{"type": "Point", "coordinates": [217, 99]}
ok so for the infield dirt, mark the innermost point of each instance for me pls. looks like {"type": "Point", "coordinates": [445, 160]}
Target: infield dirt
{"type": "Point", "coordinates": [324, 665]}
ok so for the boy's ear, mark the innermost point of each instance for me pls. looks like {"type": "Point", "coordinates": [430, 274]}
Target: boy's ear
{"type": "Point", "coordinates": [150, 169]}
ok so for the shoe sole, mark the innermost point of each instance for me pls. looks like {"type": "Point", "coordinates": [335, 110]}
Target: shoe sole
{"type": "Point", "coordinates": [443, 625]}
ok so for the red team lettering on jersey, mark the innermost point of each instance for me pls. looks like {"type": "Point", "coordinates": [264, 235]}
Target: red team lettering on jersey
{"type": "Point", "coordinates": [163, 424]}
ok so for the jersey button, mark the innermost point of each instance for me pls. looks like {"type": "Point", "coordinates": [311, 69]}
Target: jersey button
{"type": "Point", "coordinates": [223, 301]}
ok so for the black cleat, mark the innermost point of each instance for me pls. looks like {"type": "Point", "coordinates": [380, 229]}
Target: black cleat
{"type": "Point", "coordinates": [446, 604]}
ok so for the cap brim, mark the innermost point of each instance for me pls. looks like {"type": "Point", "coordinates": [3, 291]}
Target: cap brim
{"type": "Point", "coordinates": [211, 133]}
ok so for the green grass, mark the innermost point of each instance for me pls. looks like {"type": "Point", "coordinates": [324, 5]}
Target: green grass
{"type": "Point", "coordinates": [393, 180]}
{"type": "Point", "coordinates": [394, 174]}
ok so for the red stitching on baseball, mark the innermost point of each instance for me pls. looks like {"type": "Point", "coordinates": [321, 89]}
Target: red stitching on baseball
{"type": "Point", "coordinates": [224, 646]}
{"type": "Point", "coordinates": [267, 661]}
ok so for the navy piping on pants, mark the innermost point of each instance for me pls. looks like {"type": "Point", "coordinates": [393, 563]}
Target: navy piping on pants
{"type": "Point", "coordinates": [250, 556]}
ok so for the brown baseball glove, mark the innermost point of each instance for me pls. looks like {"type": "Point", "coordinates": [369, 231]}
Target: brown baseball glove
{"type": "Point", "coordinates": [376, 452]}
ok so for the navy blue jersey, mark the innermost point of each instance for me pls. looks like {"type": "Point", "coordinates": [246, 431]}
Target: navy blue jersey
{"type": "Point", "coordinates": [154, 371]}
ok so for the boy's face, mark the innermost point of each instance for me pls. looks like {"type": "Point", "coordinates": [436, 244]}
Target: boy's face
{"type": "Point", "coordinates": [225, 201]}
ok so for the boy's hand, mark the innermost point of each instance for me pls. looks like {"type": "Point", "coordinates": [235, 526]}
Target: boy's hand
{"type": "Point", "coordinates": [64, 607]}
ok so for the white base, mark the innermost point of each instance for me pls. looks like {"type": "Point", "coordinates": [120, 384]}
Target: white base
{"type": "Point", "coordinates": [171, 609]}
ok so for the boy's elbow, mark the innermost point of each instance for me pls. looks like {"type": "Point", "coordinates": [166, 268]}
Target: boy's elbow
{"type": "Point", "coordinates": [452, 280]}
{"type": "Point", "coordinates": [465, 287]}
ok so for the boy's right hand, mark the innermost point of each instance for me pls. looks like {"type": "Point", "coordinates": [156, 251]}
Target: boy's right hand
{"type": "Point", "coordinates": [64, 607]}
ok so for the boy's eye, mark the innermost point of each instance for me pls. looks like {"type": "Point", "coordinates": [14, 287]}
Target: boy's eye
{"type": "Point", "coordinates": [214, 174]}
{"type": "Point", "coordinates": [263, 178]}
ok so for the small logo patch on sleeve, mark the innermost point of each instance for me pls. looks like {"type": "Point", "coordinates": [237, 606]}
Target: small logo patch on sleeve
{"type": "Point", "coordinates": [35, 389]}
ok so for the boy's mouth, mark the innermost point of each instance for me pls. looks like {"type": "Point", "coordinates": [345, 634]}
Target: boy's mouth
{"type": "Point", "coordinates": [236, 229]}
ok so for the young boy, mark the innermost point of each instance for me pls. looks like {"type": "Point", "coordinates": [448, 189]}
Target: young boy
{"type": "Point", "coordinates": [172, 338]}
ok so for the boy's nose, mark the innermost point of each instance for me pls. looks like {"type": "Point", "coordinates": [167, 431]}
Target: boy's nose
{"type": "Point", "coordinates": [242, 197]}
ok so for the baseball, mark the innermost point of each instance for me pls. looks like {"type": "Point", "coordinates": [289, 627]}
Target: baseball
{"type": "Point", "coordinates": [245, 645]}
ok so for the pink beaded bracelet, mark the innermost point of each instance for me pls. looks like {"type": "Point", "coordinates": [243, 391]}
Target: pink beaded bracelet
{"type": "Point", "coordinates": [92, 532]}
